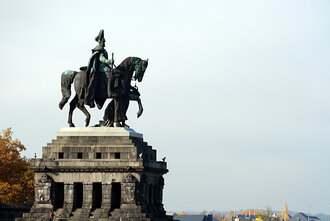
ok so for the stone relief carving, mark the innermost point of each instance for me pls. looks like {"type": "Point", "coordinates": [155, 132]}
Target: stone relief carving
{"type": "Point", "coordinates": [44, 179]}
{"type": "Point", "coordinates": [130, 194]}
{"type": "Point", "coordinates": [129, 179]}
{"type": "Point", "coordinates": [42, 189]}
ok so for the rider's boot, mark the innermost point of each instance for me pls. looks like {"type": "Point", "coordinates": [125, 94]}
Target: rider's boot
{"type": "Point", "coordinates": [89, 99]}
{"type": "Point", "coordinates": [89, 102]}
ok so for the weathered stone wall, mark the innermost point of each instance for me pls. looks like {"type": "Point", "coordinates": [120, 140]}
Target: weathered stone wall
{"type": "Point", "coordinates": [113, 166]}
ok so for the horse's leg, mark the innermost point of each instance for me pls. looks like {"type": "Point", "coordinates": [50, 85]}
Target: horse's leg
{"type": "Point", "coordinates": [87, 114]}
{"type": "Point", "coordinates": [134, 97]}
{"type": "Point", "coordinates": [139, 113]}
{"type": "Point", "coordinates": [73, 105]}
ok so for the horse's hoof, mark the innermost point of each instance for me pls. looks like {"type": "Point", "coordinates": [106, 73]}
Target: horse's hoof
{"type": "Point", "coordinates": [71, 125]}
{"type": "Point", "coordinates": [99, 106]}
{"type": "Point", "coordinates": [110, 124]}
{"type": "Point", "coordinates": [118, 125]}
{"type": "Point", "coordinates": [87, 122]}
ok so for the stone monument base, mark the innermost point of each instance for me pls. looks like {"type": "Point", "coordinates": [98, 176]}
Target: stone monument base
{"type": "Point", "coordinates": [98, 174]}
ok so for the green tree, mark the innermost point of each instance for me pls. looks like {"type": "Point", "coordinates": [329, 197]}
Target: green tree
{"type": "Point", "coordinates": [265, 215]}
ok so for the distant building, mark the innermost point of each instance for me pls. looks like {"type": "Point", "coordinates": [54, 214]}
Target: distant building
{"type": "Point", "coordinates": [304, 217]}
{"type": "Point", "coordinates": [243, 218]}
{"type": "Point", "coordinates": [194, 218]}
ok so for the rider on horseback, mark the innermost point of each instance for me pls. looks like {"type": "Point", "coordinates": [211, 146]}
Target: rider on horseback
{"type": "Point", "coordinates": [98, 63]}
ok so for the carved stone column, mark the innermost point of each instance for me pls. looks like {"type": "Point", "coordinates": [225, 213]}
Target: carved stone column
{"type": "Point", "coordinates": [68, 199]}
{"type": "Point", "coordinates": [151, 199]}
{"type": "Point", "coordinates": [143, 193]}
{"type": "Point", "coordinates": [128, 190]}
{"type": "Point", "coordinates": [42, 191]}
{"type": "Point", "coordinates": [87, 199]}
{"type": "Point", "coordinates": [106, 200]}
{"type": "Point", "coordinates": [43, 199]}
{"type": "Point", "coordinates": [159, 197]}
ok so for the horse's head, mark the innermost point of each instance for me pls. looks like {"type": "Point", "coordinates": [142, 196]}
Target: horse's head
{"type": "Point", "coordinates": [140, 68]}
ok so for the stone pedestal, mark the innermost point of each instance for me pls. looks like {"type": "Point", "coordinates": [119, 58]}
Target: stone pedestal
{"type": "Point", "coordinates": [98, 173]}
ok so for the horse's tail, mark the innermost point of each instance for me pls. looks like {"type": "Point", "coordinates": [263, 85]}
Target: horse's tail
{"type": "Point", "coordinates": [66, 81]}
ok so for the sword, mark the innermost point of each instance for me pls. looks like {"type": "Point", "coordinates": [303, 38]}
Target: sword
{"type": "Point", "coordinates": [111, 75]}
{"type": "Point", "coordinates": [112, 64]}
{"type": "Point", "coordinates": [112, 61]}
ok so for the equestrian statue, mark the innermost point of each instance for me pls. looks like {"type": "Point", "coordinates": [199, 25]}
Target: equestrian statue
{"type": "Point", "coordinates": [99, 80]}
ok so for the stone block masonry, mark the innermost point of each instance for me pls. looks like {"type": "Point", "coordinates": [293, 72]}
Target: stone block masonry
{"type": "Point", "coordinates": [98, 173]}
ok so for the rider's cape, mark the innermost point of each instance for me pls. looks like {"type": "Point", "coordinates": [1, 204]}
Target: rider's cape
{"type": "Point", "coordinates": [95, 65]}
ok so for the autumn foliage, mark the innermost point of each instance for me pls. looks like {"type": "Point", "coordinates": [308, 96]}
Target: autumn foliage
{"type": "Point", "coordinates": [251, 212]}
{"type": "Point", "coordinates": [16, 178]}
{"type": "Point", "coordinates": [285, 212]}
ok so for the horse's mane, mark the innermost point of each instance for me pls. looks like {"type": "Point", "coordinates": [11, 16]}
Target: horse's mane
{"type": "Point", "coordinates": [125, 65]}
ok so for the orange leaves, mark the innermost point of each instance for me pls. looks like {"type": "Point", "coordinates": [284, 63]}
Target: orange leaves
{"type": "Point", "coordinates": [285, 212]}
{"type": "Point", "coordinates": [230, 214]}
{"type": "Point", "coordinates": [16, 178]}
{"type": "Point", "coordinates": [247, 212]}
{"type": "Point", "coordinates": [10, 193]}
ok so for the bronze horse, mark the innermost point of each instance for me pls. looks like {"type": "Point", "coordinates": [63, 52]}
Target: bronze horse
{"type": "Point", "coordinates": [115, 114]}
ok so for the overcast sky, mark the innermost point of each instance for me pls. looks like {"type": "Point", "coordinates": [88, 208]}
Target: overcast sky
{"type": "Point", "coordinates": [236, 94]}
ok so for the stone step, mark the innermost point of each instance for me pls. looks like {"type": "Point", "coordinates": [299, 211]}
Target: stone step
{"type": "Point", "coordinates": [76, 212]}
{"type": "Point", "coordinates": [58, 212]}
{"type": "Point", "coordinates": [100, 213]}
{"type": "Point", "coordinates": [92, 140]}
{"type": "Point", "coordinates": [106, 145]}
{"type": "Point", "coordinates": [36, 215]}
{"type": "Point", "coordinates": [129, 213]}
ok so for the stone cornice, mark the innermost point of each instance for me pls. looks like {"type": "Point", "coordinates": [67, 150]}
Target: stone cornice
{"type": "Point", "coordinates": [99, 169]}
